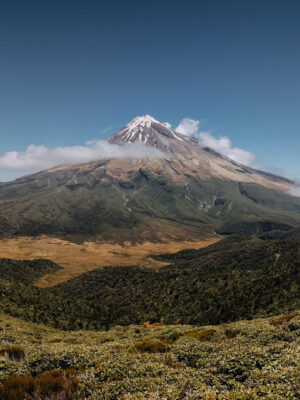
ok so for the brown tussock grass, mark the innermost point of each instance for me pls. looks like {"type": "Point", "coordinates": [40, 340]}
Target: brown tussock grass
{"type": "Point", "coordinates": [79, 258]}
{"type": "Point", "coordinates": [283, 319]}
{"type": "Point", "coordinates": [150, 346]}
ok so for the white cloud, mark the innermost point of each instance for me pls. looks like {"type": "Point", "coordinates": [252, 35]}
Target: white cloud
{"type": "Point", "coordinates": [188, 126]}
{"type": "Point", "coordinates": [39, 157]}
{"type": "Point", "coordinates": [223, 145]}
{"type": "Point", "coordinates": [295, 190]}
{"type": "Point", "coordinates": [107, 129]}
{"type": "Point", "coordinates": [168, 125]}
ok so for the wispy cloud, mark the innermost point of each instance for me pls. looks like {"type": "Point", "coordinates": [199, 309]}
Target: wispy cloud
{"type": "Point", "coordinates": [107, 129]}
{"type": "Point", "coordinates": [222, 145]}
{"type": "Point", "coordinates": [188, 127]}
{"type": "Point", "coordinates": [168, 125]}
{"type": "Point", "coordinates": [35, 157]}
{"type": "Point", "coordinates": [295, 190]}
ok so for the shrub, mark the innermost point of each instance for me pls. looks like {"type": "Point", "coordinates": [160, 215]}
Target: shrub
{"type": "Point", "coordinates": [294, 326]}
{"type": "Point", "coordinates": [71, 372]}
{"type": "Point", "coordinates": [53, 384]}
{"type": "Point", "coordinates": [170, 360]}
{"type": "Point", "coordinates": [202, 336]}
{"type": "Point", "coordinates": [55, 340]}
{"type": "Point", "coordinates": [15, 353]}
{"type": "Point", "coordinates": [55, 373]}
{"type": "Point", "coordinates": [232, 333]}
{"type": "Point", "coordinates": [282, 319]}
{"type": "Point", "coordinates": [14, 387]}
{"type": "Point", "coordinates": [174, 336]}
{"type": "Point", "coordinates": [150, 346]}
{"type": "Point", "coordinates": [58, 360]}
{"type": "Point", "coordinates": [48, 384]}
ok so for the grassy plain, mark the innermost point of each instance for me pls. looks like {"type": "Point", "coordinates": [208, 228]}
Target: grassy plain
{"type": "Point", "coordinates": [79, 258]}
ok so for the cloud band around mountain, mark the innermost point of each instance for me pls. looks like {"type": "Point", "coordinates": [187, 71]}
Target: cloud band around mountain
{"type": "Point", "coordinates": [222, 145]}
{"type": "Point", "coordinates": [40, 157]}
{"type": "Point", "coordinates": [295, 190]}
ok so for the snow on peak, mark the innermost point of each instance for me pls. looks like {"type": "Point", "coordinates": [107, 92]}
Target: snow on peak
{"type": "Point", "coordinates": [148, 130]}
{"type": "Point", "coordinates": [145, 120]}
{"type": "Point", "coordinates": [135, 128]}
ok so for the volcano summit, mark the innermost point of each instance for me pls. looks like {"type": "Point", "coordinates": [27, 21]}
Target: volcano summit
{"type": "Point", "coordinates": [182, 191]}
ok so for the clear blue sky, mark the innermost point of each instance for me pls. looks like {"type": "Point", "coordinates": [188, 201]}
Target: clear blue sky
{"type": "Point", "coordinates": [70, 69]}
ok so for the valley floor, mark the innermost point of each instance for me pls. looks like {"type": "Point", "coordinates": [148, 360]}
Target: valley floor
{"type": "Point", "coordinates": [245, 360]}
{"type": "Point", "coordinates": [77, 259]}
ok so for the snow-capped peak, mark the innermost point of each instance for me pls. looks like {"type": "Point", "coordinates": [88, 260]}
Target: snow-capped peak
{"type": "Point", "coordinates": [143, 121]}
{"type": "Point", "coordinates": [148, 130]}
{"type": "Point", "coordinates": [138, 129]}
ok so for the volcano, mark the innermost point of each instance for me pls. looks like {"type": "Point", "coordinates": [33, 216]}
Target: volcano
{"type": "Point", "coordinates": [187, 151]}
{"type": "Point", "coordinates": [181, 191]}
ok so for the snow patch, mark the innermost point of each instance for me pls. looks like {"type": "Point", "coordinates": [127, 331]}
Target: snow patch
{"type": "Point", "coordinates": [136, 131]}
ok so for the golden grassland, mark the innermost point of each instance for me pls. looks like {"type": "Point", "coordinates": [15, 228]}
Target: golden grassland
{"type": "Point", "coordinates": [245, 360]}
{"type": "Point", "coordinates": [79, 258]}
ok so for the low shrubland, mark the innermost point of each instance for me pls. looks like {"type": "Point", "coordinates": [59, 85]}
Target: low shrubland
{"type": "Point", "coordinates": [133, 333]}
{"type": "Point", "coordinates": [150, 346]}
{"type": "Point", "coordinates": [245, 360]}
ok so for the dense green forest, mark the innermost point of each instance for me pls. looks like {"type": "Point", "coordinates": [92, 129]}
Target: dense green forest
{"type": "Point", "coordinates": [236, 278]}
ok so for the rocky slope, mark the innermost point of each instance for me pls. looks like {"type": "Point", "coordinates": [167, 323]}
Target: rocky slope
{"type": "Point", "coordinates": [185, 155]}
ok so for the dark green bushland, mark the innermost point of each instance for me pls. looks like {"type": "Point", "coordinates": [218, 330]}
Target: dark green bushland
{"type": "Point", "coordinates": [237, 278]}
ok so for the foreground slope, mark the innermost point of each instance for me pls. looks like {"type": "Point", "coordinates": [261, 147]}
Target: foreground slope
{"type": "Point", "coordinates": [246, 360]}
{"type": "Point", "coordinates": [184, 193]}
{"type": "Point", "coordinates": [176, 351]}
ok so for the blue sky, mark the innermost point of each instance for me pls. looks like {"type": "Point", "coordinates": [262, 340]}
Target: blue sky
{"type": "Point", "coordinates": [73, 71]}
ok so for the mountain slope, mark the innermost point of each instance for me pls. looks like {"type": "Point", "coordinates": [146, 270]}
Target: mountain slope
{"type": "Point", "coordinates": [186, 155]}
{"type": "Point", "coordinates": [187, 192]}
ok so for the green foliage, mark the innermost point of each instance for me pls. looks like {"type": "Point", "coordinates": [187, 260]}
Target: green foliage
{"type": "Point", "coordinates": [261, 361]}
{"type": "Point", "coordinates": [26, 272]}
{"type": "Point", "coordinates": [236, 278]}
{"type": "Point", "coordinates": [202, 336]}
{"type": "Point", "coordinates": [14, 352]}
{"type": "Point", "coordinates": [150, 346]}
{"type": "Point", "coordinates": [232, 333]}
{"type": "Point", "coordinates": [174, 336]}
